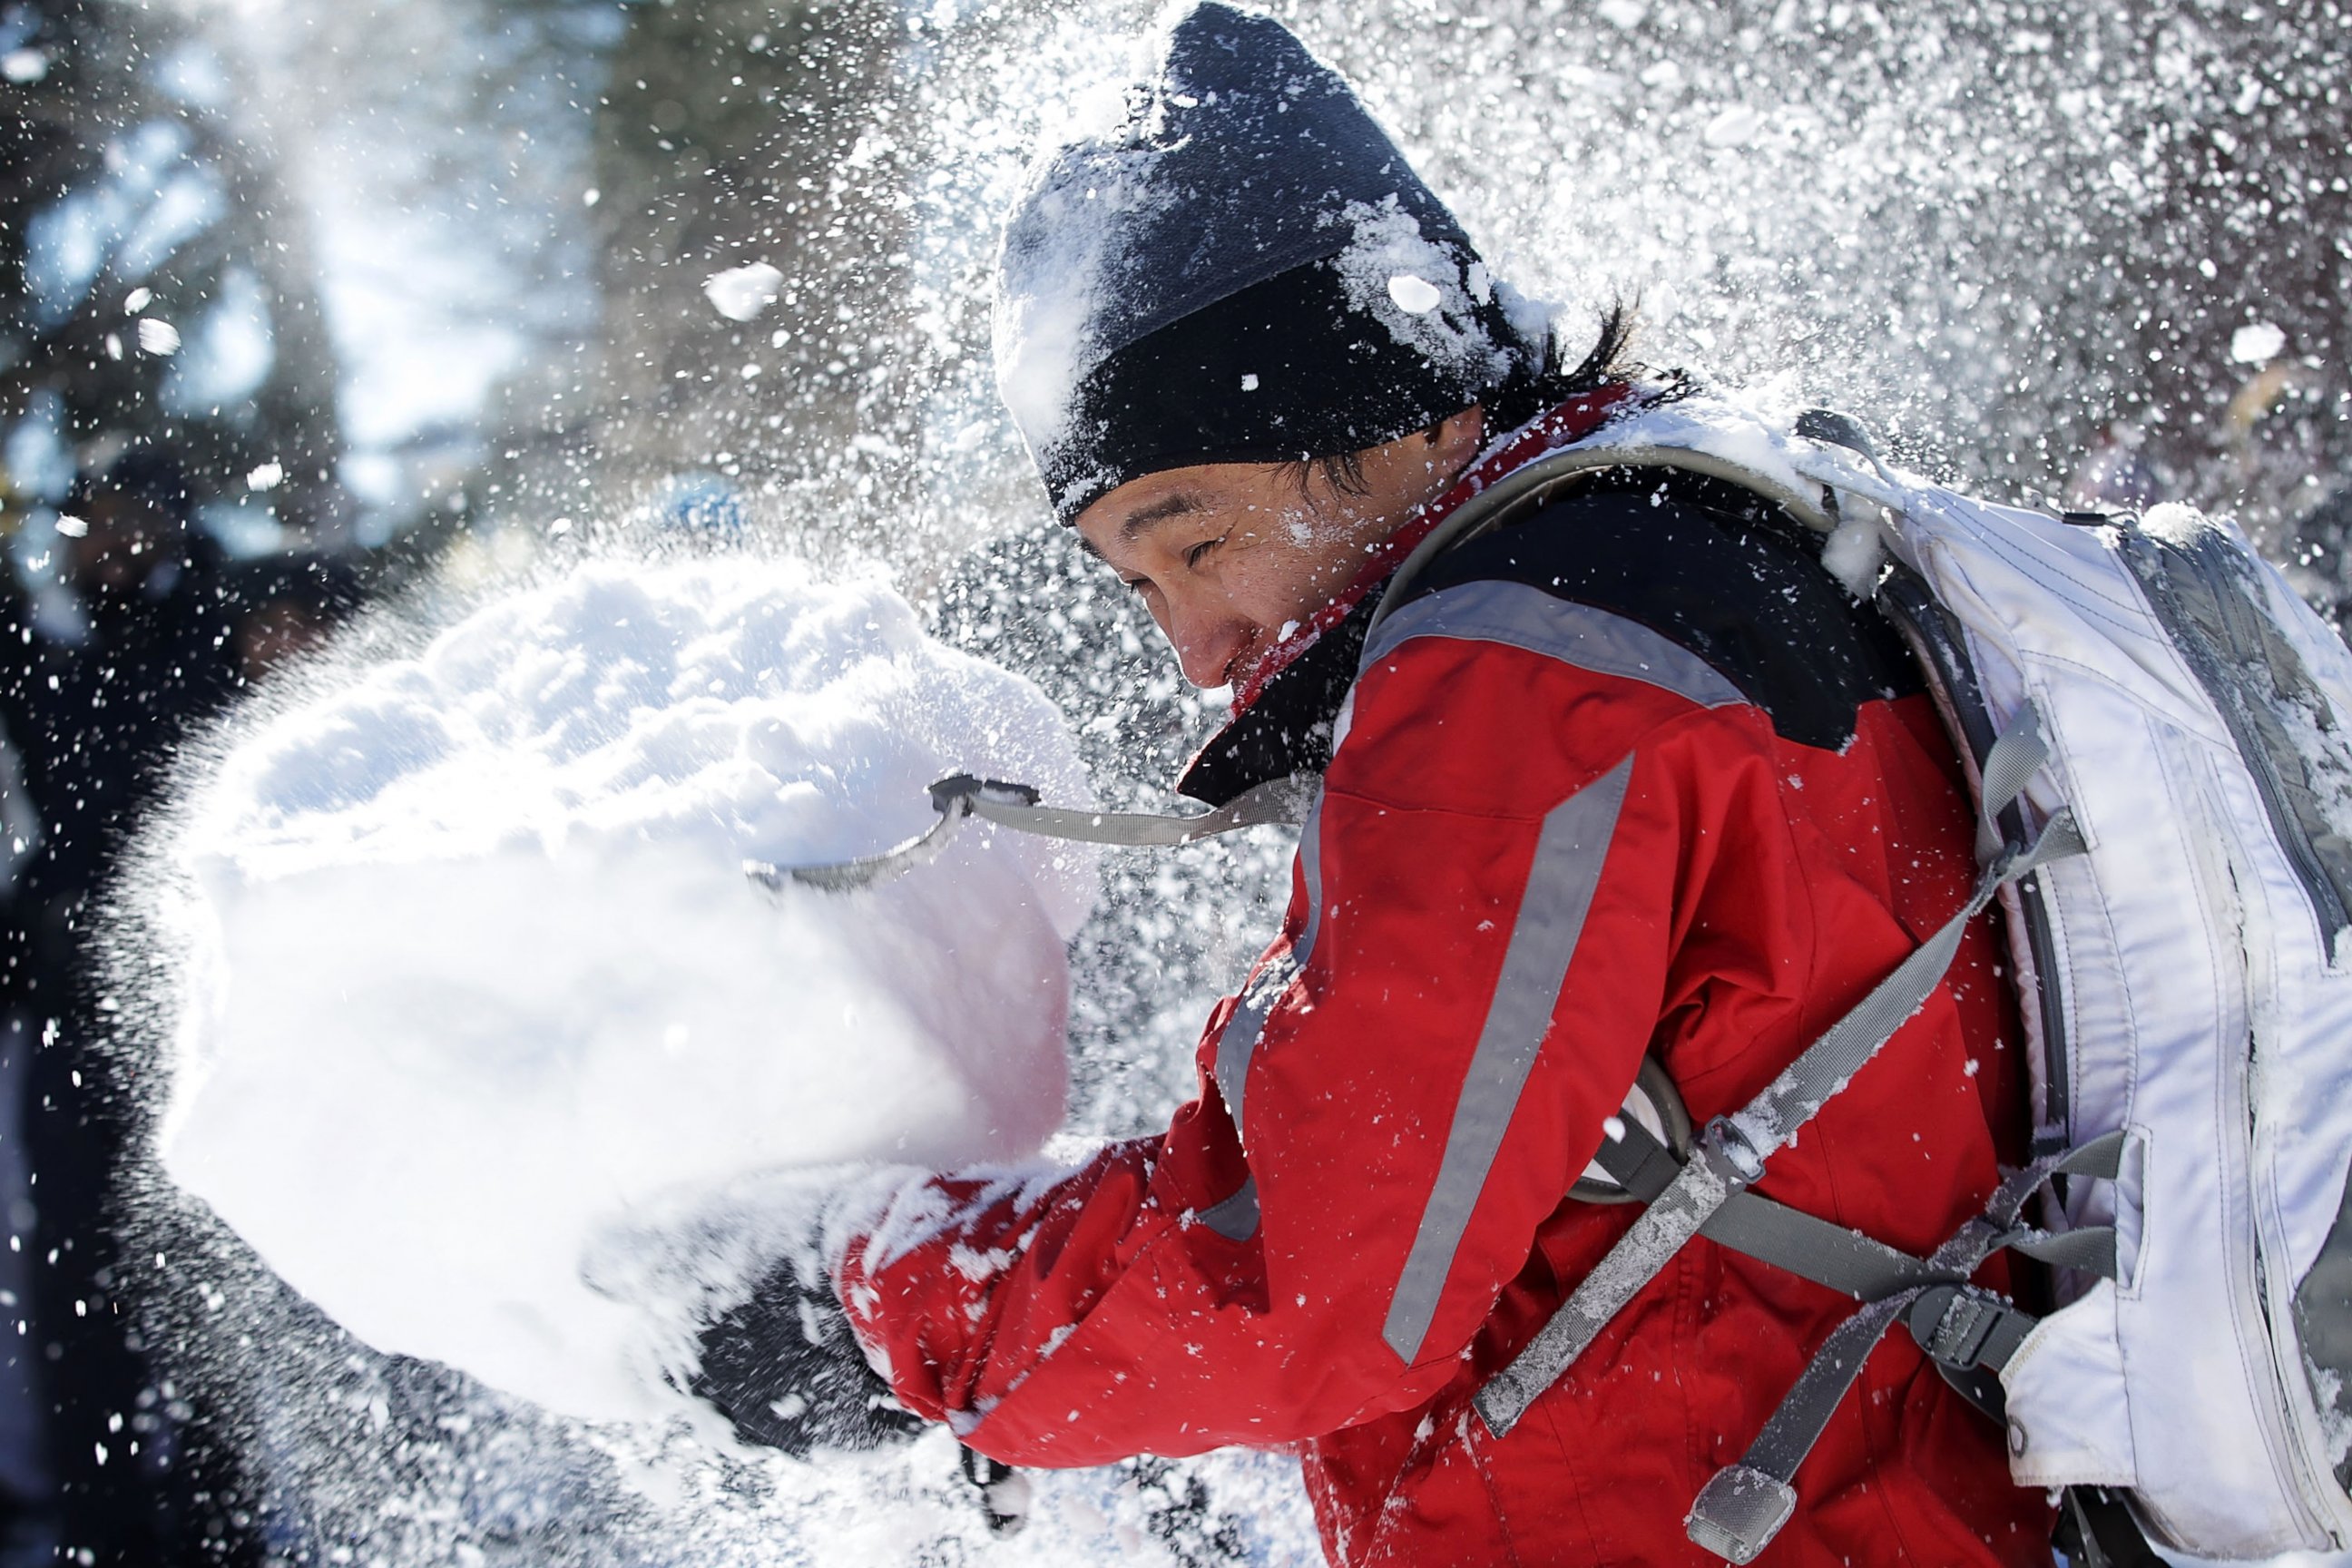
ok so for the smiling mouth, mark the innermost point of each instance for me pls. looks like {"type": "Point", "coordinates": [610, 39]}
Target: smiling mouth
{"type": "Point", "coordinates": [1252, 653]}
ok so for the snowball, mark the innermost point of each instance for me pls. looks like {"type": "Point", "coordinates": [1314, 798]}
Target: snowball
{"type": "Point", "coordinates": [484, 1005]}
{"type": "Point", "coordinates": [741, 293]}
{"type": "Point", "coordinates": [2256, 344]}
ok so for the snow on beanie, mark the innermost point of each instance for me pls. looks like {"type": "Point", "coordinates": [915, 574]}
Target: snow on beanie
{"type": "Point", "coordinates": [1244, 268]}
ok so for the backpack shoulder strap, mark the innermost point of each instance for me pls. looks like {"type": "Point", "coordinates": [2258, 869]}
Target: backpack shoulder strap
{"type": "Point", "coordinates": [1643, 440]}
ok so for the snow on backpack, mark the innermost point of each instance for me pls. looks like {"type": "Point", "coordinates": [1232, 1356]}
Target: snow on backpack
{"type": "Point", "coordinates": [2154, 726]}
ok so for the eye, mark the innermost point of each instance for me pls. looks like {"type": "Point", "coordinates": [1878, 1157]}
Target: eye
{"type": "Point", "coordinates": [1193, 556]}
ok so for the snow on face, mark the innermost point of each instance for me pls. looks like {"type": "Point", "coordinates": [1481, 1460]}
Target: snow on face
{"type": "Point", "coordinates": [483, 994]}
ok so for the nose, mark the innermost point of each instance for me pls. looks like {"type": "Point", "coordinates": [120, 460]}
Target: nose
{"type": "Point", "coordinates": [1207, 637]}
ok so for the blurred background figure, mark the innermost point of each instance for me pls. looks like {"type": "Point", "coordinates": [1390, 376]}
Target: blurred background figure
{"type": "Point", "coordinates": [283, 608]}
{"type": "Point", "coordinates": [167, 421]}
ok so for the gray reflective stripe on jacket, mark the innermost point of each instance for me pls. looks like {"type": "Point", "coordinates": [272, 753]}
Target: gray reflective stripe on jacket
{"type": "Point", "coordinates": [1571, 848]}
{"type": "Point", "coordinates": [1569, 856]}
{"type": "Point", "coordinates": [1237, 1043]}
{"type": "Point", "coordinates": [1521, 616]}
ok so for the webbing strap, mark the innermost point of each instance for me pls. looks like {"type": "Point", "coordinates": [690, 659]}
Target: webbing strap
{"type": "Point", "coordinates": [1731, 1153]}
{"type": "Point", "coordinates": [1015, 806]}
{"type": "Point", "coordinates": [1755, 1226]}
{"type": "Point", "coordinates": [1283, 800]}
{"type": "Point", "coordinates": [1964, 1328]}
{"type": "Point", "coordinates": [1793, 1098]}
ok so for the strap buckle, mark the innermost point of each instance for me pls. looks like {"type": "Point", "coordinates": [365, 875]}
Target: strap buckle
{"type": "Point", "coordinates": [1734, 1154]}
{"type": "Point", "coordinates": [1738, 1513]}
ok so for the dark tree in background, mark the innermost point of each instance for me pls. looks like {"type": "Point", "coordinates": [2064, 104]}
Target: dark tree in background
{"type": "Point", "coordinates": [741, 135]}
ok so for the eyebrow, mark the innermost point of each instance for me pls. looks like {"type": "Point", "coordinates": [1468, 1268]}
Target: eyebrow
{"type": "Point", "coordinates": [1158, 512]}
{"type": "Point", "coordinates": [1144, 519]}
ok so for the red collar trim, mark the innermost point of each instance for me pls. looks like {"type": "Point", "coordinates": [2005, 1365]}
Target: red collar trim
{"type": "Point", "coordinates": [1570, 422]}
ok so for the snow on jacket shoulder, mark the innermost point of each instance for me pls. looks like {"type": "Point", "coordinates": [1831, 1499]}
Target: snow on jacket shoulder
{"type": "Point", "coordinates": [1633, 777]}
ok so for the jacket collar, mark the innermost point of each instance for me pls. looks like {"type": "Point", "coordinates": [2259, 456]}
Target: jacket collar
{"type": "Point", "coordinates": [1285, 707]}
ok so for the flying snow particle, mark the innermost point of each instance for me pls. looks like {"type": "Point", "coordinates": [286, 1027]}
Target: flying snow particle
{"type": "Point", "coordinates": [158, 337]}
{"type": "Point", "coordinates": [1623, 15]}
{"type": "Point", "coordinates": [1735, 127]}
{"type": "Point", "coordinates": [1417, 295]}
{"type": "Point", "coordinates": [267, 477]}
{"type": "Point", "coordinates": [137, 301]}
{"type": "Point", "coordinates": [741, 293]}
{"type": "Point", "coordinates": [24, 66]}
{"type": "Point", "coordinates": [2257, 344]}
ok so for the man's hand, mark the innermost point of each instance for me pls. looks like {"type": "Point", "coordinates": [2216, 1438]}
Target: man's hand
{"type": "Point", "coordinates": [785, 1368]}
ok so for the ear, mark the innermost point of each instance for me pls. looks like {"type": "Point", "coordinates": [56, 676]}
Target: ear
{"type": "Point", "coordinates": [1454, 441]}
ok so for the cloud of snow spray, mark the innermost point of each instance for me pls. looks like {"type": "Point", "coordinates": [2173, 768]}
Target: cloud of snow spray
{"type": "Point", "coordinates": [2000, 233]}
{"type": "Point", "coordinates": [484, 1045]}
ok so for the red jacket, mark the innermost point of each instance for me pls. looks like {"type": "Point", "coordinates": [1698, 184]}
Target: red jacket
{"type": "Point", "coordinates": [1633, 777]}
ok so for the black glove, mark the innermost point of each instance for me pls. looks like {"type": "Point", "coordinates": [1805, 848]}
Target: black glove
{"type": "Point", "coordinates": [785, 1368]}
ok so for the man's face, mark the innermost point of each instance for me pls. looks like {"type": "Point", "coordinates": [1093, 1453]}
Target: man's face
{"type": "Point", "coordinates": [1228, 556]}
{"type": "Point", "coordinates": [124, 538]}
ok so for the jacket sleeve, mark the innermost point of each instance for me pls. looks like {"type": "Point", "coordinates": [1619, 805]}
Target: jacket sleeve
{"type": "Point", "coordinates": [1474, 958]}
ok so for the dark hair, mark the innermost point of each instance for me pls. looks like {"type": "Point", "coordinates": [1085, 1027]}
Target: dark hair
{"type": "Point", "coordinates": [317, 584]}
{"type": "Point", "coordinates": [1521, 399]}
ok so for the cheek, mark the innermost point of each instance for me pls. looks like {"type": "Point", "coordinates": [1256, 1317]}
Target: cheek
{"type": "Point", "coordinates": [1285, 580]}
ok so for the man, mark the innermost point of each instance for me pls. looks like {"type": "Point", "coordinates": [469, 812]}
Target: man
{"type": "Point", "coordinates": [1633, 778]}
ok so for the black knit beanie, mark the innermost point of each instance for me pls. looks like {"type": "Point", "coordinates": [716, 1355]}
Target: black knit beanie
{"type": "Point", "coordinates": [1244, 269]}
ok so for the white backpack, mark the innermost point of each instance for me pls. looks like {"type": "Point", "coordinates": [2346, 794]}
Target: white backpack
{"type": "Point", "coordinates": [2155, 727]}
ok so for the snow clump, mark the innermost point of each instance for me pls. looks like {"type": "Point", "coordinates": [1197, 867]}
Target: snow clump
{"type": "Point", "coordinates": [2257, 344]}
{"type": "Point", "coordinates": [1417, 289]}
{"type": "Point", "coordinates": [482, 1006]}
{"type": "Point", "coordinates": [739, 293]}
